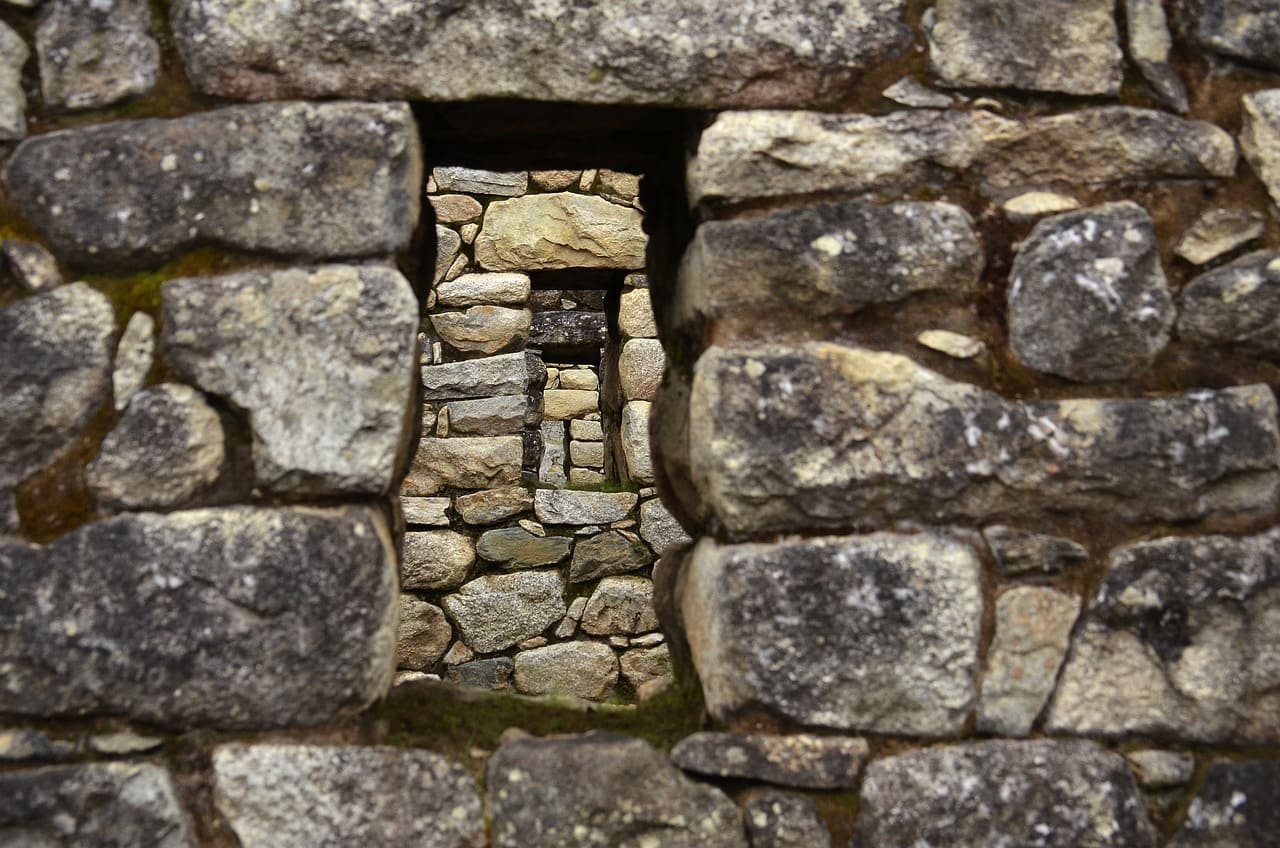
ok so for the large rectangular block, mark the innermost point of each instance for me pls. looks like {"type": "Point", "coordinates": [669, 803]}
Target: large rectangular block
{"type": "Point", "coordinates": [477, 462]}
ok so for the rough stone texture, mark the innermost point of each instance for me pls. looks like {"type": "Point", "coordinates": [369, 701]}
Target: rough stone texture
{"type": "Point", "coordinates": [1218, 232]}
{"type": "Point", "coordinates": [167, 447]}
{"type": "Point", "coordinates": [300, 179]}
{"type": "Point", "coordinates": [563, 506]}
{"type": "Point", "coordinates": [1033, 204]}
{"type": "Point", "coordinates": [800, 760]}
{"type": "Point", "coordinates": [582, 669]}
{"type": "Point", "coordinates": [602, 789]}
{"type": "Point", "coordinates": [476, 462]}
{"type": "Point", "coordinates": [1244, 29]}
{"type": "Point", "coordinates": [496, 611]}
{"type": "Point", "coordinates": [1260, 136]}
{"type": "Point", "coordinates": [476, 378]}
{"type": "Point", "coordinates": [296, 796]}
{"type": "Point", "coordinates": [565, 328]}
{"type": "Point", "coordinates": [95, 805]}
{"type": "Point", "coordinates": [643, 665]}
{"type": "Point", "coordinates": [492, 674]}
{"type": "Point", "coordinates": [196, 618]}
{"type": "Point", "coordinates": [590, 454]}
{"type": "Point", "coordinates": [861, 438]}
{"type": "Point", "coordinates": [635, 440]}
{"type": "Point", "coordinates": [551, 468]}
{"type": "Point", "coordinates": [1238, 806]}
{"type": "Point", "coordinates": [483, 329]}
{"type": "Point", "coordinates": [1150, 46]}
{"type": "Point", "coordinates": [476, 181]}
{"type": "Point", "coordinates": [13, 101]}
{"type": "Point", "coordinates": [608, 553]}
{"type": "Point", "coordinates": [784, 820]}
{"type": "Point", "coordinates": [448, 246]}
{"type": "Point", "coordinates": [635, 315]}
{"type": "Point", "coordinates": [876, 633]}
{"type": "Point", "coordinates": [562, 404]}
{"type": "Point", "coordinates": [640, 368]}
{"type": "Point", "coordinates": [1087, 296]}
{"type": "Point", "coordinates": [426, 512]}
{"type": "Point", "coordinates": [659, 527]}
{"type": "Point", "coordinates": [1236, 304]}
{"type": "Point", "coordinates": [424, 634]}
{"type": "Point", "coordinates": [455, 208]}
{"type": "Point", "coordinates": [515, 547]}
{"type": "Point", "coordinates": [620, 606]}
{"type": "Point", "coordinates": [689, 54]}
{"type": "Point", "coordinates": [1033, 627]}
{"type": "Point", "coordinates": [825, 259]}
{"type": "Point", "coordinates": [1179, 642]}
{"type": "Point", "coordinates": [321, 360]}
{"type": "Point", "coordinates": [503, 415]}
{"type": "Point", "coordinates": [547, 231]}
{"type": "Point", "coordinates": [33, 266]}
{"type": "Point", "coordinates": [135, 356]}
{"type": "Point", "coordinates": [93, 53]}
{"type": "Point", "coordinates": [766, 154]}
{"type": "Point", "coordinates": [1047, 793]}
{"type": "Point", "coordinates": [1067, 46]}
{"type": "Point", "coordinates": [493, 505]}
{"type": "Point", "coordinates": [18, 746]}
{"type": "Point", "coordinates": [1020, 552]}
{"type": "Point", "coordinates": [479, 289]}
{"type": "Point", "coordinates": [436, 560]}
{"type": "Point", "coordinates": [1156, 769]}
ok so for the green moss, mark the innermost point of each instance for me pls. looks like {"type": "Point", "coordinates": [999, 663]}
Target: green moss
{"type": "Point", "coordinates": [140, 291]}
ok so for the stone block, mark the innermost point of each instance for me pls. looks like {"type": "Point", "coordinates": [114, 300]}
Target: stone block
{"type": "Point", "coordinates": [551, 231]}
{"type": "Point", "coordinates": [435, 560]}
{"type": "Point", "coordinates": [800, 760]}
{"type": "Point", "coordinates": [476, 462]}
{"type": "Point", "coordinates": [581, 669]}
{"type": "Point", "coordinates": [497, 611]}
{"type": "Point", "coordinates": [508, 374]}
{"type": "Point", "coordinates": [481, 289]}
{"type": "Point", "coordinates": [564, 506]}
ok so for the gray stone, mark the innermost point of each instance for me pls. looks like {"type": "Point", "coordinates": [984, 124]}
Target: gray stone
{"type": "Point", "coordinates": [299, 179]}
{"type": "Point", "coordinates": [296, 796]}
{"type": "Point", "coordinates": [800, 760]}
{"type": "Point", "coordinates": [494, 416]}
{"type": "Point", "coordinates": [492, 674]}
{"type": "Point", "coordinates": [1237, 806]}
{"type": "Point", "coordinates": [497, 611]}
{"type": "Point", "coordinates": [554, 460]}
{"type": "Point", "coordinates": [1033, 628]}
{"type": "Point", "coordinates": [425, 512]}
{"type": "Point", "coordinates": [1176, 644]}
{"type": "Point", "coordinates": [1260, 136]}
{"type": "Point", "coordinates": [635, 315]}
{"type": "Point", "coordinates": [644, 665]}
{"type": "Point", "coordinates": [1242, 29]}
{"type": "Point", "coordinates": [602, 789]}
{"type": "Point", "coordinates": [640, 367]}
{"type": "Point", "coordinates": [99, 805]}
{"type": "Point", "coordinates": [13, 100]}
{"type": "Point", "coordinates": [828, 259]}
{"type": "Point", "coordinates": [563, 506]}
{"type": "Point", "coordinates": [690, 54]}
{"type": "Point", "coordinates": [93, 53]}
{"type": "Point", "coordinates": [166, 449]}
{"type": "Point", "coordinates": [424, 634]}
{"type": "Point", "coordinates": [766, 154]}
{"type": "Point", "coordinates": [483, 329]}
{"type": "Point", "coordinates": [1156, 769]}
{"type": "Point", "coordinates": [1087, 297]}
{"type": "Point", "coordinates": [480, 289]}
{"type": "Point", "coordinates": [659, 527]}
{"type": "Point", "coordinates": [476, 462]}
{"type": "Point", "coordinates": [842, 437]}
{"type": "Point", "coordinates": [911, 92]}
{"type": "Point", "coordinates": [876, 633]}
{"type": "Point", "coordinates": [135, 356]}
{"type": "Point", "coordinates": [608, 553]}
{"type": "Point", "coordinates": [507, 374]}
{"type": "Point", "coordinates": [435, 560]}
{"type": "Point", "coordinates": [197, 618]}
{"type": "Point", "coordinates": [620, 606]}
{"type": "Point", "coordinates": [475, 181]}
{"type": "Point", "coordinates": [1218, 232]}
{"type": "Point", "coordinates": [1150, 46]}
{"type": "Point", "coordinates": [320, 359]}
{"type": "Point", "coordinates": [448, 246]}
{"type": "Point", "coordinates": [784, 820]}
{"type": "Point", "coordinates": [635, 441]}
{"type": "Point", "coordinates": [33, 266]}
{"type": "Point", "coordinates": [1048, 793]}
{"type": "Point", "coordinates": [1236, 304]}
{"type": "Point", "coordinates": [582, 669]}
{"type": "Point", "coordinates": [568, 328]}
{"type": "Point", "coordinates": [587, 454]}
{"type": "Point", "coordinates": [550, 231]}
{"type": "Point", "coordinates": [493, 505]}
{"type": "Point", "coordinates": [1020, 552]}
{"type": "Point", "coordinates": [515, 547]}
{"type": "Point", "coordinates": [18, 746]}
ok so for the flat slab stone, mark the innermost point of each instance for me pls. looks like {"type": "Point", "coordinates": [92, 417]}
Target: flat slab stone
{"type": "Point", "coordinates": [1217, 233]}
{"type": "Point", "coordinates": [568, 328]}
{"type": "Point", "coordinates": [800, 760]}
{"type": "Point", "coordinates": [493, 505]}
{"type": "Point", "coordinates": [565, 506]}
{"type": "Point", "coordinates": [844, 437]}
{"type": "Point", "coordinates": [479, 289]}
{"type": "Point", "coordinates": [93, 53]}
{"type": "Point", "coordinates": [290, 796]}
{"type": "Point", "coordinates": [464, 462]}
{"type": "Point", "coordinates": [196, 618]}
{"type": "Point", "coordinates": [1178, 642]}
{"type": "Point", "coordinates": [551, 231]}
{"type": "Point", "coordinates": [1022, 552]}
{"type": "Point", "coordinates": [515, 547]}
{"type": "Point", "coordinates": [1238, 805]}
{"type": "Point", "coordinates": [1242, 29]}
{"type": "Point", "coordinates": [636, 448]}
{"type": "Point", "coordinates": [762, 53]}
{"type": "Point", "coordinates": [608, 553]}
{"type": "Point", "coordinates": [497, 611]}
{"type": "Point", "coordinates": [1049, 793]}
{"type": "Point", "coordinates": [321, 360]}
{"type": "Point", "coordinates": [876, 633]}
{"type": "Point", "coordinates": [299, 179]}
{"type": "Point", "coordinates": [426, 512]}
{"type": "Point", "coordinates": [1236, 304]}
{"type": "Point", "coordinates": [496, 416]}
{"type": "Point", "coordinates": [508, 374]}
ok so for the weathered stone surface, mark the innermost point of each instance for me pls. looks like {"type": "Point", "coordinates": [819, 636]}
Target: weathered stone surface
{"type": "Point", "coordinates": [1179, 642]}
{"type": "Point", "coordinates": [1236, 304]}
{"type": "Point", "coordinates": [908, 91]}
{"type": "Point", "coordinates": [764, 154]}
{"type": "Point", "coordinates": [503, 415]}
{"type": "Point", "coordinates": [291, 796]}
{"type": "Point", "coordinates": [55, 372]}
{"type": "Point", "coordinates": [1150, 46]}
{"type": "Point", "coordinates": [954, 345]}
{"type": "Point", "coordinates": [568, 328]}
{"type": "Point", "coordinates": [582, 669]}
{"type": "Point", "coordinates": [134, 357]}
{"type": "Point", "coordinates": [101, 804]}
{"type": "Point", "coordinates": [476, 181]}
{"type": "Point", "coordinates": [643, 665]}
{"type": "Point", "coordinates": [602, 789]}
{"type": "Point", "coordinates": [1218, 232]}
{"type": "Point", "coordinates": [167, 447]}
{"type": "Point", "coordinates": [876, 633]}
{"type": "Point", "coordinates": [561, 404]}
{"type": "Point", "coordinates": [301, 179]}
{"type": "Point", "coordinates": [1238, 806]}
{"type": "Point", "coordinates": [635, 440]}
{"type": "Point", "coordinates": [196, 618]}
{"type": "Point", "coordinates": [476, 462]}
{"type": "Point", "coordinates": [436, 560]}
{"type": "Point", "coordinates": [554, 180]}
{"type": "Point", "coordinates": [620, 606]}
{"type": "Point", "coordinates": [1156, 769]}
{"type": "Point", "coordinates": [492, 674]}
{"type": "Point", "coordinates": [784, 820]}
{"type": "Point", "coordinates": [830, 258]}
{"type": "Point", "coordinates": [34, 267]}
{"type": "Point", "coordinates": [861, 438]}
{"type": "Point", "coordinates": [635, 315]}
{"type": "Point", "coordinates": [124, 744]}
{"type": "Point", "coordinates": [801, 760]}
{"type": "Point", "coordinates": [617, 186]}
{"type": "Point", "coordinates": [1033, 204]}
{"type": "Point", "coordinates": [515, 547]}
{"type": "Point", "coordinates": [479, 289]}
{"type": "Point", "coordinates": [586, 431]}
{"type": "Point", "coordinates": [448, 246]}
{"type": "Point", "coordinates": [1050, 793]}
{"type": "Point", "coordinates": [640, 367]}
{"type": "Point", "coordinates": [93, 53]}
{"type": "Point", "coordinates": [483, 329]}
{"type": "Point", "coordinates": [659, 527]}
{"type": "Point", "coordinates": [580, 378]}
{"type": "Point", "coordinates": [496, 611]}
{"type": "Point", "coordinates": [551, 467]}
{"type": "Point", "coordinates": [1087, 296]}
{"type": "Point", "coordinates": [321, 359]}
{"type": "Point", "coordinates": [426, 512]}
{"type": "Point", "coordinates": [608, 553]}
{"type": "Point", "coordinates": [588, 454]}
{"type": "Point", "coordinates": [1067, 46]}
{"type": "Point", "coordinates": [548, 231]}
{"type": "Point", "coordinates": [455, 208]}
{"type": "Point", "coordinates": [1244, 29]}
{"type": "Point", "coordinates": [1260, 136]}
{"type": "Point", "coordinates": [13, 101]}
{"type": "Point", "coordinates": [424, 634]}
{"type": "Point", "coordinates": [689, 54]}
{"type": "Point", "coordinates": [1020, 552]}
{"type": "Point", "coordinates": [507, 374]}
{"type": "Point", "coordinates": [1033, 627]}
{"type": "Point", "coordinates": [493, 505]}
{"type": "Point", "coordinates": [563, 506]}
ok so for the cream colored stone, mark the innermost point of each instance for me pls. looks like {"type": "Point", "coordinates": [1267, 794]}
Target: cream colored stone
{"type": "Point", "coordinates": [640, 368]}
{"type": "Point", "coordinates": [562, 404]}
{"type": "Point", "coordinates": [552, 231]}
{"type": "Point", "coordinates": [635, 315]}
{"type": "Point", "coordinates": [483, 329]}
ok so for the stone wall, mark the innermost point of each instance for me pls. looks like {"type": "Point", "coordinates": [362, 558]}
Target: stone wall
{"type": "Point", "coordinates": [329, 365]}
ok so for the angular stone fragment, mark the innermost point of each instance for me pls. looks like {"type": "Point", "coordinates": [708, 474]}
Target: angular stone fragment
{"type": "Point", "coordinates": [954, 345]}
{"type": "Point", "coordinates": [1087, 297]}
{"type": "Point", "coordinates": [784, 820]}
{"type": "Point", "coordinates": [426, 512]}
{"type": "Point", "coordinates": [566, 328]}
{"type": "Point", "coordinates": [635, 315]}
{"type": "Point", "coordinates": [135, 356]}
{"type": "Point", "coordinates": [1179, 642]}
{"type": "Point", "coordinates": [290, 796]}
{"type": "Point", "coordinates": [659, 527]}
{"type": "Point", "coordinates": [13, 100]}
{"type": "Point", "coordinates": [167, 447]}
{"type": "Point", "coordinates": [563, 506]}
{"type": "Point", "coordinates": [876, 633]}
{"type": "Point", "coordinates": [36, 269]}
{"type": "Point", "coordinates": [455, 208]}
{"type": "Point", "coordinates": [93, 53]}
{"type": "Point", "coordinates": [582, 669]}
{"type": "Point", "coordinates": [299, 179]}
{"type": "Point", "coordinates": [800, 760]}
{"type": "Point", "coordinates": [477, 462]}
{"type": "Point", "coordinates": [1260, 136]}
{"type": "Point", "coordinates": [1238, 806]}
{"type": "Point", "coordinates": [620, 606]}
{"type": "Point", "coordinates": [764, 53]}
{"type": "Point", "coordinates": [1020, 552]}
{"type": "Point", "coordinates": [480, 289]}
{"type": "Point", "coordinates": [549, 231]}
{"type": "Point", "coordinates": [99, 804]}
{"type": "Point", "coordinates": [1156, 769]}
{"type": "Point", "coordinates": [424, 634]}
{"type": "Point", "coordinates": [602, 789]}
{"type": "Point", "coordinates": [1243, 29]}
{"type": "Point", "coordinates": [496, 611]}
{"type": "Point", "coordinates": [515, 547]}
{"type": "Point", "coordinates": [436, 560]}
{"type": "Point", "coordinates": [197, 618]}
{"type": "Point", "coordinates": [1236, 304]}
{"type": "Point", "coordinates": [476, 181]}
{"type": "Point", "coordinates": [844, 437]}
{"type": "Point", "coordinates": [18, 746]}
{"type": "Point", "coordinates": [911, 92]}
{"type": "Point", "coordinates": [493, 505]}
{"type": "Point", "coordinates": [507, 374]}
{"type": "Point", "coordinates": [635, 440]}
{"type": "Point", "coordinates": [606, 554]}
{"type": "Point", "coordinates": [483, 329]}
{"type": "Point", "coordinates": [825, 259]}
{"type": "Point", "coordinates": [1150, 46]}
{"type": "Point", "coordinates": [321, 359]}
{"type": "Point", "coordinates": [1217, 232]}
{"type": "Point", "coordinates": [1049, 793]}
{"type": "Point", "coordinates": [448, 245]}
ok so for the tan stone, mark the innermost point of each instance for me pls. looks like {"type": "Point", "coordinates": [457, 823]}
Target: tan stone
{"type": "Point", "coordinates": [481, 289]}
{"type": "Point", "coordinates": [635, 315]}
{"type": "Point", "coordinates": [562, 404]}
{"type": "Point", "coordinates": [484, 329]}
{"type": "Point", "coordinates": [424, 634]}
{"type": "Point", "coordinates": [455, 208]}
{"type": "Point", "coordinates": [551, 231]}
{"type": "Point", "coordinates": [640, 367]}
{"type": "Point", "coordinates": [465, 463]}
